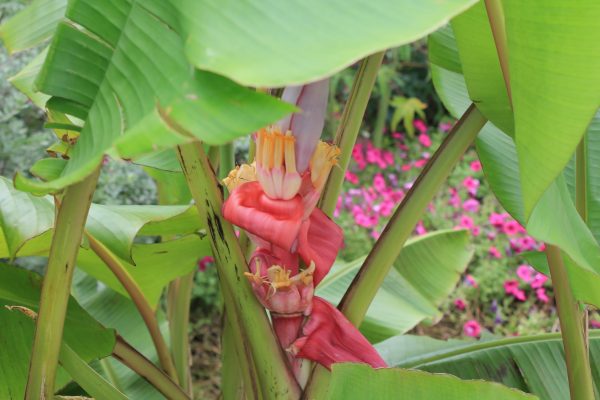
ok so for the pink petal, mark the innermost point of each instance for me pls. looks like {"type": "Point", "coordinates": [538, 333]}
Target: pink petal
{"type": "Point", "coordinates": [274, 221]}
{"type": "Point", "coordinates": [320, 240]}
{"type": "Point", "coordinates": [330, 338]}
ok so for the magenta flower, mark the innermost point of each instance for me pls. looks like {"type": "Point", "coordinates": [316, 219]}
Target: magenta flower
{"type": "Point", "coordinates": [204, 262]}
{"type": "Point", "coordinates": [494, 252]}
{"type": "Point", "coordinates": [525, 272]}
{"type": "Point", "coordinates": [511, 287]}
{"type": "Point", "coordinates": [497, 220]}
{"type": "Point", "coordinates": [469, 280]}
{"type": "Point", "coordinates": [420, 163]}
{"type": "Point", "coordinates": [445, 126]}
{"type": "Point", "coordinates": [425, 140]}
{"type": "Point", "coordinates": [541, 295]}
{"type": "Point", "coordinates": [420, 228]}
{"type": "Point", "coordinates": [471, 205]}
{"type": "Point", "coordinates": [351, 177]}
{"type": "Point", "coordinates": [379, 183]}
{"type": "Point", "coordinates": [476, 230]}
{"type": "Point", "coordinates": [471, 184]}
{"type": "Point", "coordinates": [420, 125]}
{"type": "Point", "coordinates": [538, 281]}
{"type": "Point", "coordinates": [388, 157]}
{"type": "Point", "coordinates": [466, 222]}
{"type": "Point", "coordinates": [472, 328]}
{"type": "Point", "coordinates": [475, 166]}
{"type": "Point", "coordinates": [460, 304]}
{"type": "Point", "coordinates": [527, 243]}
{"type": "Point", "coordinates": [511, 228]}
{"type": "Point", "coordinates": [406, 167]}
{"type": "Point", "coordinates": [594, 323]}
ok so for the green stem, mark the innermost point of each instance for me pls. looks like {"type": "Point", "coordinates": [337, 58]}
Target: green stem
{"type": "Point", "coordinates": [227, 157]}
{"type": "Point", "coordinates": [578, 364]}
{"type": "Point", "coordinates": [376, 266]}
{"type": "Point", "coordinates": [234, 378]}
{"type": "Point", "coordinates": [496, 17]}
{"type": "Point", "coordinates": [68, 231]}
{"type": "Point", "coordinates": [144, 367]}
{"type": "Point", "coordinates": [85, 376]}
{"type": "Point", "coordinates": [581, 205]}
{"type": "Point", "coordinates": [383, 107]}
{"type": "Point", "coordinates": [142, 305]}
{"type": "Point", "coordinates": [347, 132]}
{"type": "Point", "coordinates": [245, 313]}
{"type": "Point", "coordinates": [179, 299]}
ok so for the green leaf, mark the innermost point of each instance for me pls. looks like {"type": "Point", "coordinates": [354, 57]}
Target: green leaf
{"type": "Point", "coordinates": [446, 71]}
{"type": "Point", "coordinates": [84, 335]}
{"type": "Point", "coordinates": [118, 312]}
{"type": "Point", "coordinates": [269, 43]}
{"type": "Point", "coordinates": [360, 381]}
{"type": "Point", "coordinates": [555, 84]}
{"type": "Point", "coordinates": [24, 80]}
{"type": "Point", "coordinates": [16, 337]}
{"type": "Point", "coordinates": [22, 217]}
{"type": "Point", "coordinates": [530, 363]}
{"type": "Point", "coordinates": [413, 290]}
{"type": "Point", "coordinates": [33, 25]}
{"type": "Point", "coordinates": [481, 68]}
{"type": "Point", "coordinates": [132, 85]}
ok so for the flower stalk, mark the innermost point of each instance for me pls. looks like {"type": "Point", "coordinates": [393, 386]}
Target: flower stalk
{"type": "Point", "coordinates": [142, 305]}
{"type": "Point", "coordinates": [68, 231]}
{"type": "Point", "coordinates": [347, 132]}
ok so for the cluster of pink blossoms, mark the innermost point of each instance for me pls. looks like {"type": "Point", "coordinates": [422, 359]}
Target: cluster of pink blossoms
{"type": "Point", "coordinates": [274, 201]}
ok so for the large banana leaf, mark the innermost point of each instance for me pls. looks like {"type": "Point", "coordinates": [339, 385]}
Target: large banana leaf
{"type": "Point", "coordinates": [359, 381]}
{"type": "Point", "coordinates": [274, 43]}
{"type": "Point", "coordinates": [82, 333]}
{"type": "Point", "coordinates": [554, 66]}
{"type": "Point", "coordinates": [413, 290]}
{"type": "Point", "coordinates": [554, 219]}
{"type": "Point", "coordinates": [33, 25]}
{"type": "Point", "coordinates": [533, 364]}
{"type": "Point", "coordinates": [481, 68]}
{"type": "Point", "coordinates": [122, 70]}
{"type": "Point", "coordinates": [26, 223]}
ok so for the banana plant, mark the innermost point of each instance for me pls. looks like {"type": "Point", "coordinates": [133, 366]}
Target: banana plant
{"type": "Point", "coordinates": [171, 84]}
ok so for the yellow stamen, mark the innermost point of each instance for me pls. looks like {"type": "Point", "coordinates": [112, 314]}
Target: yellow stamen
{"type": "Point", "coordinates": [323, 159]}
{"type": "Point", "coordinates": [268, 151]}
{"type": "Point", "coordinates": [255, 277]}
{"type": "Point", "coordinates": [259, 146]}
{"type": "Point", "coordinates": [279, 277]}
{"type": "Point", "coordinates": [278, 150]}
{"type": "Point", "coordinates": [290, 153]}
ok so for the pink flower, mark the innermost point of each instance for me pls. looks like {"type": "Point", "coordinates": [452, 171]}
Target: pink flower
{"type": "Point", "coordinates": [460, 304]}
{"type": "Point", "coordinates": [538, 281]}
{"type": "Point", "coordinates": [541, 295]}
{"type": "Point", "coordinates": [476, 166]}
{"type": "Point", "coordinates": [420, 125]}
{"type": "Point", "coordinates": [379, 183]}
{"type": "Point", "coordinates": [425, 140]}
{"type": "Point", "coordinates": [471, 205]}
{"type": "Point", "coordinates": [527, 243]}
{"type": "Point", "coordinates": [204, 262]}
{"type": "Point", "coordinates": [420, 229]}
{"type": "Point", "coordinates": [375, 234]}
{"type": "Point", "coordinates": [352, 178]}
{"type": "Point", "coordinates": [420, 163]}
{"type": "Point", "coordinates": [466, 222]}
{"type": "Point", "coordinates": [472, 328]}
{"type": "Point", "coordinates": [594, 323]}
{"type": "Point", "coordinates": [469, 280]}
{"type": "Point", "coordinates": [496, 219]}
{"type": "Point", "coordinates": [510, 286]}
{"type": "Point", "coordinates": [476, 230]}
{"type": "Point", "coordinates": [511, 228]}
{"type": "Point", "coordinates": [405, 167]}
{"type": "Point", "coordinates": [388, 157]}
{"type": "Point", "coordinates": [471, 184]}
{"type": "Point", "coordinates": [525, 272]}
{"type": "Point", "coordinates": [445, 126]}
{"type": "Point", "coordinates": [494, 252]}
{"type": "Point", "coordinates": [397, 135]}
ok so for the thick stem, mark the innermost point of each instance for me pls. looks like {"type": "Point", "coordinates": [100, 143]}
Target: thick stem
{"type": "Point", "coordinates": [142, 305]}
{"type": "Point", "coordinates": [376, 266]}
{"type": "Point", "coordinates": [247, 316]}
{"type": "Point", "coordinates": [144, 367]}
{"type": "Point", "coordinates": [578, 364]}
{"type": "Point", "coordinates": [347, 132]}
{"type": "Point", "coordinates": [496, 17]}
{"type": "Point", "coordinates": [179, 298]}
{"type": "Point", "coordinates": [68, 231]}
